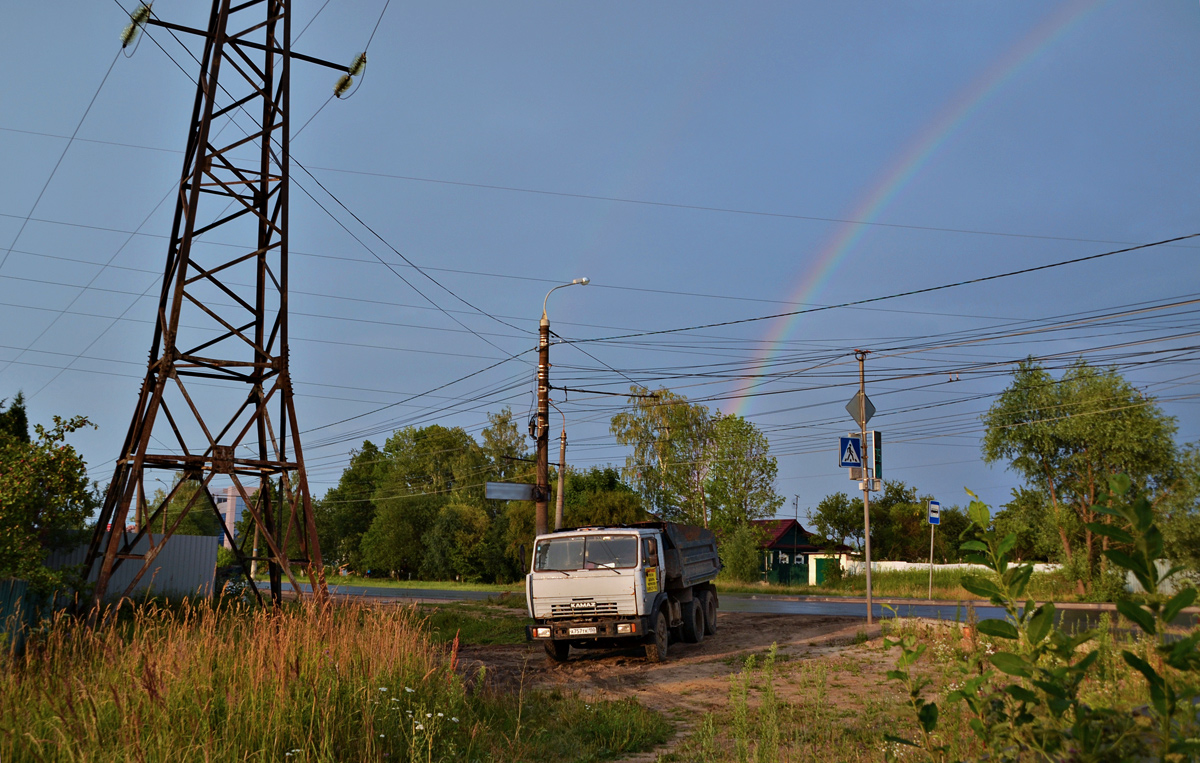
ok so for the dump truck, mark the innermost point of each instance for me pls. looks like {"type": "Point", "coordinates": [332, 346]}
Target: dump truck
{"type": "Point", "coordinates": [648, 583]}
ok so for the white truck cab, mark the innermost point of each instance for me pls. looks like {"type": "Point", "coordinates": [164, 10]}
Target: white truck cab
{"type": "Point", "coordinates": [601, 587]}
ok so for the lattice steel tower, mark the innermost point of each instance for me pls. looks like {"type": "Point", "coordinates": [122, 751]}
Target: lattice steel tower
{"type": "Point", "coordinates": [219, 358]}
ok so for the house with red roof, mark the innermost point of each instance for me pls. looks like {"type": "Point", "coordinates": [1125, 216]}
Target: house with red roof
{"type": "Point", "coordinates": [791, 558]}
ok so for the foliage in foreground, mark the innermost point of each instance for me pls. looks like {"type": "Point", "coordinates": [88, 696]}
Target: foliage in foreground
{"type": "Point", "coordinates": [217, 683]}
{"type": "Point", "coordinates": [1028, 705]}
{"type": "Point", "coordinates": [44, 494]}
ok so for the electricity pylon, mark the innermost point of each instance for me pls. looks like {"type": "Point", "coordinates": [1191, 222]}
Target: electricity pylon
{"type": "Point", "coordinates": [219, 358]}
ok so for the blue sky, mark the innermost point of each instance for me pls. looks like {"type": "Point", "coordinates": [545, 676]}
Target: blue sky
{"type": "Point", "coordinates": [691, 159]}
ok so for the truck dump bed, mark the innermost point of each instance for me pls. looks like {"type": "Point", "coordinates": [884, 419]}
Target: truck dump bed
{"type": "Point", "coordinates": [691, 553]}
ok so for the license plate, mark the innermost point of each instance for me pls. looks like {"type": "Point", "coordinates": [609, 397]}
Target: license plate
{"type": "Point", "coordinates": [591, 631]}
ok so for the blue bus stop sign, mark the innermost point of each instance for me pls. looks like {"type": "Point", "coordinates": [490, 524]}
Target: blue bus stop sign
{"type": "Point", "coordinates": [935, 513]}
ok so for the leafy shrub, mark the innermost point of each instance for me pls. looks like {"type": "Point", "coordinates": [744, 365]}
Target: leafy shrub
{"type": "Point", "coordinates": [1027, 705]}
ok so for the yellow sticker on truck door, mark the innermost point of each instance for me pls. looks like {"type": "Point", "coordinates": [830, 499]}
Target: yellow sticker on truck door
{"type": "Point", "coordinates": [651, 580]}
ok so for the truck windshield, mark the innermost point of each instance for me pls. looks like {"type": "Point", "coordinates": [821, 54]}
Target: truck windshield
{"type": "Point", "coordinates": [588, 552]}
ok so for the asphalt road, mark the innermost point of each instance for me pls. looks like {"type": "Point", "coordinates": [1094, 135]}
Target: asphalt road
{"type": "Point", "coordinates": [1083, 616]}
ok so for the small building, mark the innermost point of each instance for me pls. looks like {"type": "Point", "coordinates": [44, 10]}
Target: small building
{"type": "Point", "coordinates": [790, 557]}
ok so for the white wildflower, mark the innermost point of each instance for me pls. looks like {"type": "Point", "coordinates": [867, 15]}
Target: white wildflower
{"type": "Point", "coordinates": [454, 719]}
{"type": "Point", "coordinates": [410, 691]}
{"type": "Point", "coordinates": [420, 727]}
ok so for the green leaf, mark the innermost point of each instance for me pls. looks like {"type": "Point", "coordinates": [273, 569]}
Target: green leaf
{"type": "Point", "coordinates": [897, 675]}
{"type": "Point", "coordinates": [980, 586]}
{"type": "Point", "coordinates": [1040, 623]}
{"type": "Point", "coordinates": [1137, 614]}
{"type": "Point", "coordinates": [1111, 531]}
{"type": "Point", "coordinates": [1154, 680]}
{"type": "Point", "coordinates": [899, 740]}
{"type": "Point", "coordinates": [1012, 664]}
{"type": "Point", "coordinates": [1119, 483]}
{"type": "Point", "coordinates": [1124, 560]}
{"type": "Point", "coordinates": [1020, 693]}
{"type": "Point", "coordinates": [973, 545]}
{"type": "Point", "coordinates": [1018, 580]}
{"type": "Point", "coordinates": [1177, 602]}
{"type": "Point", "coordinates": [928, 716]}
{"type": "Point", "coordinates": [1006, 545]}
{"type": "Point", "coordinates": [1051, 688]}
{"type": "Point", "coordinates": [999, 629]}
{"type": "Point", "coordinates": [979, 513]}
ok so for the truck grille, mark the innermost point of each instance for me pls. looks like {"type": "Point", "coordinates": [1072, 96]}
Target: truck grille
{"type": "Point", "coordinates": [586, 608]}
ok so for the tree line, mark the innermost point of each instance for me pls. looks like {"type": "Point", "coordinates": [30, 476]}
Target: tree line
{"type": "Point", "coordinates": [415, 506]}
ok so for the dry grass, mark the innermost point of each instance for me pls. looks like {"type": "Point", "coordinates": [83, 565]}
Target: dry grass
{"type": "Point", "coordinates": [238, 683]}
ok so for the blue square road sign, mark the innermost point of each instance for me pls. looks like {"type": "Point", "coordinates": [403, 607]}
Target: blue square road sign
{"type": "Point", "coordinates": [850, 452]}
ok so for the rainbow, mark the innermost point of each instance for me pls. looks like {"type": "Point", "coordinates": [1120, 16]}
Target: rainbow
{"type": "Point", "coordinates": [915, 155]}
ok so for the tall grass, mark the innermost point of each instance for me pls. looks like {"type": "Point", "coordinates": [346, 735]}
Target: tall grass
{"type": "Point", "coordinates": [205, 682]}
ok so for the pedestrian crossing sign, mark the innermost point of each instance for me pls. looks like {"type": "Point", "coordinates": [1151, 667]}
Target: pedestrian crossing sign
{"type": "Point", "coordinates": [850, 452]}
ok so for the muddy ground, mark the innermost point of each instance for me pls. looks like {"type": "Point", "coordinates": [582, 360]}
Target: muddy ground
{"type": "Point", "coordinates": [695, 678]}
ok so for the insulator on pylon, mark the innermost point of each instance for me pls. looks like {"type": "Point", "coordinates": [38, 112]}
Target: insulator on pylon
{"type": "Point", "coordinates": [346, 80]}
{"type": "Point", "coordinates": [137, 19]}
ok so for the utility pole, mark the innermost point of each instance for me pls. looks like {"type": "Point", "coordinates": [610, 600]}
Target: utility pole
{"type": "Point", "coordinates": [542, 452]}
{"type": "Point", "coordinates": [222, 319]}
{"type": "Point", "coordinates": [562, 475]}
{"type": "Point", "coordinates": [542, 455]}
{"type": "Point", "coordinates": [861, 356]}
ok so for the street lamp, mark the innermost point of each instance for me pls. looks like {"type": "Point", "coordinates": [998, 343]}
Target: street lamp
{"type": "Point", "coordinates": [542, 491]}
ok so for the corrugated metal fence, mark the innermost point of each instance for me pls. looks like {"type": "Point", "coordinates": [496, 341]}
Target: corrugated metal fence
{"type": "Point", "coordinates": [185, 566]}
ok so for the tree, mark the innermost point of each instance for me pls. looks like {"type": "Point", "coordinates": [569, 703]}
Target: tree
{"type": "Point", "coordinates": [838, 519]}
{"type": "Point", "coordinates": [454, 545]}
{"type": "Point", "coordinates": [672, 441]}
{"type": "Point", "coordinates": [345, 513]}
{"type": "Point", "coordinates": [504, 445]}
{"type": "Point", "coordinates": [599, 497]}
{"type": "Point", "coordinates": [395, 541]}
{"type": "Point", "coordinates": [1180, 511]}
{"type": "Point", "coordinates": [1068, 436]}
{"type": "Point", "coordinates": [44, 495]}
{"type": "Point", "coordinates": [200, 519]}
{"type": "Point", "coordinates": [14, 423]}
{"type": "Point", "coordinates": [741, 482]}
{"type": "Point", "coordinates": [1028, 517]}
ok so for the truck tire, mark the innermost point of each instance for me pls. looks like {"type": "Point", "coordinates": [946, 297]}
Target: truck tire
{"type": "Point", "coordinates": [557, 650]}
{"type": "Point", "coordinates": [710, 613]}
{"type": "Point", "coordinates": [693, 621]}
{"type": "Point", "coordinates": [656, 650]}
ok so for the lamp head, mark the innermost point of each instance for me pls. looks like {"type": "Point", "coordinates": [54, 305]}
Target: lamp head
{"type": "Point", "coordinates": [582, 281]}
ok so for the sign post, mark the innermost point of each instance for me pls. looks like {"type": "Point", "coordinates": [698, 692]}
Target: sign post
{"type": "Point", "coordinates": [935, 518]}
{"type": "Point", "coordinates": [861, 410]}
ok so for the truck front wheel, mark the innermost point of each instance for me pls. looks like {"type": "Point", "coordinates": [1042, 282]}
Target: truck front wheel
{"type": "Point", "coordinates": [557, 650]}
{"type": "Point", "coordinates": [656, 650]}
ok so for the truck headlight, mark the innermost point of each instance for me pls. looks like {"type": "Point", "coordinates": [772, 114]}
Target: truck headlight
{"type": "Point", "coordinates": [541, 633]}
{"type": "Point", "coordinates": [624, 627]}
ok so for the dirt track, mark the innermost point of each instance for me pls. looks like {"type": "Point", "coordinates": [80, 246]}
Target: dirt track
{"type": "Point", "coordinates": [695, 677]}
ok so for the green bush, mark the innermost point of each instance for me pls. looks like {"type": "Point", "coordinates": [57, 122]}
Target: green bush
{"type": "Point", "coordinates": [741, 554]}
{"type": "Point", "coordinates": [1027, 705]}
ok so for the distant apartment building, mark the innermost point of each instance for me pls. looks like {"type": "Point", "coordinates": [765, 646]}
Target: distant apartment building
{"type": "Point", "coordinates": [231, 506]}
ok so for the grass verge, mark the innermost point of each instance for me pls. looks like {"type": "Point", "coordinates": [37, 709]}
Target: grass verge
{"type": "Point", "coordinates": [198, 681]}
{"type": "Point", "coordinates": [906, 584]}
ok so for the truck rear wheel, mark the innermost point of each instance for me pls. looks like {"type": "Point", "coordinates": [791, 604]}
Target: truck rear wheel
{"type": "Point", "coordinates": [710, 613]}
{"type": "Point", "coordinates": [656, 650]}
{"type": "Point", "coordinates": [557, 650]}
{"type": "Point", "coordinates": [693, 621]}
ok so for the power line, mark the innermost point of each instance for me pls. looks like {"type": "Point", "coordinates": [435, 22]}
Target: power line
{"type": "Point", "coordinates": [910, 293]}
